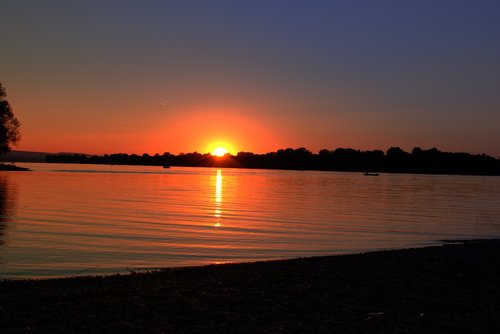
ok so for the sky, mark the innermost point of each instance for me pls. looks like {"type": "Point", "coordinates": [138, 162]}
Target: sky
{"type": "Point", "coordinates": [145, 76]}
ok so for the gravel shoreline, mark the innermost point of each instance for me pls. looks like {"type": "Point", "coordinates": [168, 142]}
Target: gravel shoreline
{"type": "Point", "coordinates": [454, 288]}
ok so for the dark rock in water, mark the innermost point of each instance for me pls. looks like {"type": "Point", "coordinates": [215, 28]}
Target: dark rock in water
{"type": "Point", "coordinates": [11, 167]}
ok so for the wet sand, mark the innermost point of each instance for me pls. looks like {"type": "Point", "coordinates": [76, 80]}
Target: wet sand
{"type": "Point", "coordinates": [453, 288]}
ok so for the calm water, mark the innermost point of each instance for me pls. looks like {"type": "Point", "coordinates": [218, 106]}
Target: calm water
{"type": "Point", "coordinates": [64, 220]}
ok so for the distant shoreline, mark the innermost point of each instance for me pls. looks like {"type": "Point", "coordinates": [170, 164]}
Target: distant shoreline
{"type": "Point", "coordinates": [450, 288]}
{"type": "Point", "coordinates": [394, 160]}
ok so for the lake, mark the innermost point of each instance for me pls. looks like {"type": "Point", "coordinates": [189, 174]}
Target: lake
{"type": "Point", "coordinates": [66, 220]}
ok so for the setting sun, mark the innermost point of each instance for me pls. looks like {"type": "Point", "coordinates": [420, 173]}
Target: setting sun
{"type": "Point", "coordinates": [220, 151]}
{"type": "Point", "coordinates": [219, 148]}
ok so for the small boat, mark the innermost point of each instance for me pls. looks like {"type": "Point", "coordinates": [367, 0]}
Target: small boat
{"type": "Point", "coordinates": [166, 166]}
{"type": "Point", "coordinates": [370, 174]}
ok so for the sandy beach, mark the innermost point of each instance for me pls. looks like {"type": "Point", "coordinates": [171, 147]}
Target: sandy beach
{"type": "Point", "coordinates": [454, 288]}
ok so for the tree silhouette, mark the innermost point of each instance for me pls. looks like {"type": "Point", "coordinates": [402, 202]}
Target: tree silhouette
{"type": "Point", "coordinates": [9, 125]}
{"type": "Point", "coordinates": [395, 160]}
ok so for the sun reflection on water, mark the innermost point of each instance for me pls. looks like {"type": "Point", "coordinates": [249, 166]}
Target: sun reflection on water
{"type": "Point", "coordinates": [218, 199]}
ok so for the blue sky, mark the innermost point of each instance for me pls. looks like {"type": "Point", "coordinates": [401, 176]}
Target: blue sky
{"type": "Point", "coordinates": [108, 76]}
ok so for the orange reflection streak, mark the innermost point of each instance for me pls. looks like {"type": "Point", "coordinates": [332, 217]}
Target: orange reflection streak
{"type": "Point", "coordinates": [218, 198]}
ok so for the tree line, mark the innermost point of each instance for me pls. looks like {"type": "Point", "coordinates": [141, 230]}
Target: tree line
{"type": "Point", "coordinates": [394, 160]}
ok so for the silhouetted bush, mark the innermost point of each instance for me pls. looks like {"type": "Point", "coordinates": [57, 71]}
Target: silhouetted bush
{"type": "Point", "coordinates": [9, 125]}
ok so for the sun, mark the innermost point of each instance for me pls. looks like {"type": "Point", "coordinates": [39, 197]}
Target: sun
{"type": "Point", "coordinates": [219, 148]}
{"type": "Point", "coordinates": [220, 151]}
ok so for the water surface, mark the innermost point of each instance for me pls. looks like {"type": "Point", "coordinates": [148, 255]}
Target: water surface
{"type": "Point", "coordinates": [64, 220]}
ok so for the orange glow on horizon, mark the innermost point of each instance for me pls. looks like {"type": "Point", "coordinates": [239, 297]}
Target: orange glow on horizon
{"type": "Point", "coordinates": [208, 129]}
{"type": "Point", "coordinates": [189, 129]}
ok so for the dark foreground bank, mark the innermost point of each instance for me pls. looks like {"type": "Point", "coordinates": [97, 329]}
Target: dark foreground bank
{"type": "Point", "coordinates": [450, 289]}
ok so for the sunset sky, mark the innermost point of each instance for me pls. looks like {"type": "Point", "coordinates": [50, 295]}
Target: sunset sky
{"type": "Point", "coordinates": [182, 76]}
